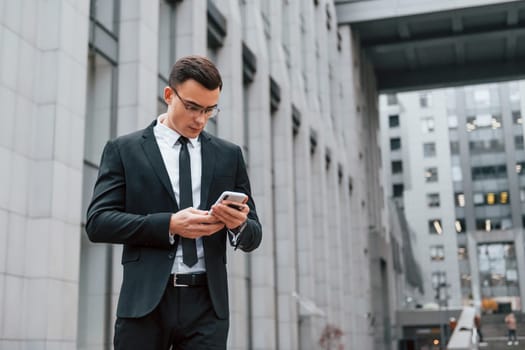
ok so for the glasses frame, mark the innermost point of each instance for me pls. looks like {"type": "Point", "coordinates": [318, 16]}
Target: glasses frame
{"type": "Point", "coordinates": [194, 109]}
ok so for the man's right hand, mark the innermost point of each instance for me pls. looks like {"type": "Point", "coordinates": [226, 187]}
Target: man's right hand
{"type": "Point", "coordinates": [194, 223]}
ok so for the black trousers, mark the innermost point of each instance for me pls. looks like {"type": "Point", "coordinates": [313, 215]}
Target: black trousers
{"type": "Point", "coordinates": [183, 320]}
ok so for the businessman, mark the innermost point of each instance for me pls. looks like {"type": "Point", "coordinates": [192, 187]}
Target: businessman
{"type": "Point", "coordinates": [154, 194]}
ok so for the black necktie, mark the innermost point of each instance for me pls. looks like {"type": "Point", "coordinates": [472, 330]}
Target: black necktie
{"type": "Point", "coordinates": [189, 249]}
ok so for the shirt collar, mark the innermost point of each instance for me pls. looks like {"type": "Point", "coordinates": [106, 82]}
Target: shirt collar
{"type": "Point", "coordinates": [170, 135]}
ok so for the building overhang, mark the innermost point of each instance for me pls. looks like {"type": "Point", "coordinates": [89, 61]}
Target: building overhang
{"type": "Point", "coordinates": [414, 48]}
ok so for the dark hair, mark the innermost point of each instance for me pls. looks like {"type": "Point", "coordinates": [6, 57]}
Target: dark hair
{"type": "Point", "coordinates": [198, 68]}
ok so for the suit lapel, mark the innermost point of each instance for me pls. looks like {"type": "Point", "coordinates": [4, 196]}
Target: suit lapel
{"type": "Point", "coordinates": [152, 151]}
{"type": "Point", "coordinates": [208, 166]}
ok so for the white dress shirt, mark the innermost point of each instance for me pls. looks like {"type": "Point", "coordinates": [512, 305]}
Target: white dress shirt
{"type": "Point", "coordinates": [167, 139]}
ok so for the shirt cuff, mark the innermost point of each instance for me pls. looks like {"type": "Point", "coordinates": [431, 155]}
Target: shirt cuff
{"type": "Point", "coordinates": [234, 233]}
{"type": "Point", "coordinates": [171, 238]}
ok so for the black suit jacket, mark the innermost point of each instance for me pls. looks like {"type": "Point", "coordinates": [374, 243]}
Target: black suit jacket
{"type": "Point", "coordinates": [132, 204]}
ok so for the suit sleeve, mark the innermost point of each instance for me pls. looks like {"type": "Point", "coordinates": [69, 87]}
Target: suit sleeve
{"type": "Point", "coordinates": [250, 238]}
{"type": "Point", "coordinates": [107, 220]}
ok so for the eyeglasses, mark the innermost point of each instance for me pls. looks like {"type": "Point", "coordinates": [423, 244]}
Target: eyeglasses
{"type": "Point", "coordinates": [195, 109]}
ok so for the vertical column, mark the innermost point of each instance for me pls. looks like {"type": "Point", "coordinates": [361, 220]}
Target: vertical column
{"type": "Point", "coordinates": [262, 260]}
{"type": "Point", "coordinates": [42, 92]}
{"type": "Point", "coordinates": [191, 28]}
{"type": "Point", "coordinates": [138, 64]}
{"type": "Point", "coordinates": [230, 125]}
{"type": "Point", "coordinates": [137, 89]}
{"type": "Point", "coordinates": [283, 188]}
{"type": "Point", "coordinates": [301, 161]}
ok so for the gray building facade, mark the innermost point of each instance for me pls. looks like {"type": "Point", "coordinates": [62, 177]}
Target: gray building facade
{"type": "Point", "coordinates": [298, 95]}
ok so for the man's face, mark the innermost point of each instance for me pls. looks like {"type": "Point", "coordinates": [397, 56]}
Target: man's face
{"type": "Point", "coordinates": [189, 112]}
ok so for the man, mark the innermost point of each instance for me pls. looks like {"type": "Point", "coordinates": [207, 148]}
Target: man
{"type": "Point", "coordinates": [153, 194]}
{"type": "Point", "coordinates": [510, 321]}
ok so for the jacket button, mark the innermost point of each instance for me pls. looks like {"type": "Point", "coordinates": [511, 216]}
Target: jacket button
{"type": "Point", "coordinates": [171, 255]}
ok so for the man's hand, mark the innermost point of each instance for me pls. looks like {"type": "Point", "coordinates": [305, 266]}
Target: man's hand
{"type": "Point", "coordinates": [231, 217]}
{"type": "Point", "coordinates": [194, 223]}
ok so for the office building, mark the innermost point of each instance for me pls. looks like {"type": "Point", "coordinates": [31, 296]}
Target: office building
{"type": "Point", "coordinates": [455, 167]}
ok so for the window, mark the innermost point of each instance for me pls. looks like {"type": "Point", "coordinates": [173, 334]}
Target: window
{"type": "Point", "coordinates": [452, 121]}
{"type": "Point", "coordinates": [437, 253]}
{"type": "Point", "coordinates": [454, 147]}
{"type": "Point", "coordinates": [397, 167]}
{"type": "Point", "coordinates": [494, 223]}
{"type": "Point", "coordinates": [395, 143]}
{"type": "Point", "coordinates": [397, 190]}
{"type": "Point", "coordinates": [489, 172]}
{"type": "Point", "coordinates": [393, 121]}
{"type": "Point", "coordinates": [460, 199]}
{"type": "Point", "coordinates": [434, 227]}
{"type": "Point", "coordinates": [462, 252]}
{"type": "Point", "coordinates": [427, 125]}
{"type": "Point", "coordinates": [460, 225]}
{"type": "Point", "coordinates": [391, 99]}
{"type": "Point", "coordinates": [429, 149]}
{"type": "Point", "coordinates": [519, 168]}
{"type": "Point", "coordinates": [487, 121]}
{"type": "Point", "coordinates": [518, 141]}
{"type": "Point", "coordinates": [516, 117]}
{"type": "Point", "coordinates": [479, 199]}
{"type": "Point", "coordinates": [482, 97]}
{"type": "Point", "coordinates": [457, 175]}
{"type": "Point", "coordinates": [431, 174]}
{"type": "Point", "coordinates": [433, 200]}
{"type": "Point", "coordinates": [491, 198]}
{"type": "Point", "coordinates": [439, 278]}
{"type": "Point", "coordinates": [425, 99]}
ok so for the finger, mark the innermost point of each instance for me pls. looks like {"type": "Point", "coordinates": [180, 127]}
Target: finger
{"type": "Point", "coordinates": [235, 205]}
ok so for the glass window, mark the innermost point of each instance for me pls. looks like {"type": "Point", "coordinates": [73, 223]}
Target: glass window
{"type": "Point", "coordinates": [457, 174]}
{"type": "Point", "coordinates": [519, 167]}
{"type": "Point", "coordinates": [105, 13]}
{"type": "Point", "coordinates": [391, 99]}
{"type": "Point", "coordinates": [454, 147]}
{"type": "Point", "coordinates": [462, 252]}
{"type": "Point", "coordinates": [439, 278]}
{"type": "Point", "coordinates": [460, 199]}
{"type": "Point", "coordinates": [479, 199]}
{"type": "Point", "coordinates": [393, 121]}
{"type": "Point", "coordinates": [522, 194]}
{"type": "Point", "coordinates": [433, 200]}
{"type": "Point", "coordinates": [431, 174]}
{"type": "Point", "coordinates": [425, 99]}
{"type": "Point", "coordinates": [498, 270]}
{"type": "Point", "coordinates": [514, 88]}
{"type": "Point", "coordinates": [489, 172]}
{"type": "Point", "coordinates": [397, 167]}
{"type": "Point", "coordinates": [482, 97]}
{"type": "Point", "coordinates": [516, 117]}
{"type": "Point", "coordinates": [434, 227]}
{"type": "Point", "coordinates": [99, 105]}
{"type": "Point", "coordinates": [428, 125]}
{"type": "Point", "coordinates": [429, 149]}
{"type": "Point", "coordinates": [452, 121]}
{"type": "Point", "coordinates": [518, 141]}
{"type": "Point", "coordinates": [395, 143]}
{"type": "Point", "coordinates": [397, 190]}
{"type": "Point", "coordinates": [437, 253]}
{"type": "Point", "coordinates": [460, 225]}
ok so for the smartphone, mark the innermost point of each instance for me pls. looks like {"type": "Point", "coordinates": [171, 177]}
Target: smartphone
{"type": "Point", "coordinates": [239, 197]}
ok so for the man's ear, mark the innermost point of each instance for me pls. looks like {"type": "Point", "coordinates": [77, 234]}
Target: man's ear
{"type": "Point", "coordinates": [168, 94]}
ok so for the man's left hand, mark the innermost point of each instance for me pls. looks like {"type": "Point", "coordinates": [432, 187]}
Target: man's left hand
{"type": "Point", "coordinates": [233, 216]}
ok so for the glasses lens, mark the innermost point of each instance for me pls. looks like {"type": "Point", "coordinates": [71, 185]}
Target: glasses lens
{"type": "Point", "coordinates": [213, 112]}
